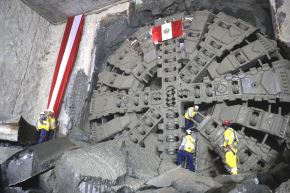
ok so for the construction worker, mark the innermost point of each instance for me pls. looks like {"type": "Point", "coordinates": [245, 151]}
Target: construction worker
{"type": "Point", "coordinates": [43, 126]}
{"type": "Point", "coordinates": [187, 150]}
{"type": "Point", "coordinates": [189, 115]}
{"type": "Point", "coordinates": [231, 148]}
{"type": "Point", "coordinates": [52, 123]}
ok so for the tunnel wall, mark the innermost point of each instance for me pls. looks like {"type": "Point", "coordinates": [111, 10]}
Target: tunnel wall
{"type": "Point", "coordinates": [29, 48]}
{"type": "Point", "coordinates": [56, 11]}
{"type": "Point", "coordinates": [76, 99]}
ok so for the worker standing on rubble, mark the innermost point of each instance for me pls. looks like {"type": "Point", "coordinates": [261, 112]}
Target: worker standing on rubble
{"type": "Point", "coordinates": [43, 126]}
{"type": "Point", "coordinates": [231, 148]}
{"type": "Point", "coordinates": [187, 150]}
{"type": "Point", "coordinates": [189, 115]}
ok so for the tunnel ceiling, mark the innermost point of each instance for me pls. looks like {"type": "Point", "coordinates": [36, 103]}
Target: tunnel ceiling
{"type": "Point", "coordinates": [56, 11]}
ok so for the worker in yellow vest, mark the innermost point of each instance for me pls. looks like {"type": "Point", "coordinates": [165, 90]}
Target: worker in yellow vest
{"type": "Point", "coordinates": [52, 123]}
{"type": "Point", "coordinates": [231, 148]}
{"type": "Point", "coordinates": [187, 150]}
{"type": "Point", "coordinates": [189, 115]}
{"type": "Point", "coordinates": [43, 126]}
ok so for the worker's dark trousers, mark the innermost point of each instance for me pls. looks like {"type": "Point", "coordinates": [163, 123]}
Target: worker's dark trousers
{"type": "Point", "coordinates": [43, 136]}
{"type": "Point", "coordinates": [181, 155]}
{"type": "Point", "coordinates": [188, 124]}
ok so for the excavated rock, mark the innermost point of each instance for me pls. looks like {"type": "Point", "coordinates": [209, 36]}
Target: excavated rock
{"type": "Point", "coordinates": [166, 165]}
{"type": "Point", "coordinates": [16, 190]}
{"type": "Point", "coordinates": [47, 182]}
{"type": "Point", "coordinates": [130, 185]}
{"type": "Point", "coordinates": [142, 163]}
{"type": "Point", "coordinates": [281, 22]}
{"type": "Point", "coordinates": [184, 181]}
{"type": "Point", "coordinates": [151, 142]}
{"type": "Point", "coordinates": [33, 161]}
{"type": "Point", "coordinates": [284, 187]}
{"type": "Point", "coordinates": [166, 179]}
{"type": "Point", "coordinates": [248, 185]}
{"type": "Point", "coordinates": [281, 172]}
{"type": "Point", "coordinates": [229, 179]}
{"type": "Point", "coordinates": [161, 190]}
{"type": "Point", "coordinates": [275, 176]}
{"type": "Point", "coordinates": [243, 188]}
{"type": "Point", "coordinates": [100, 166]}
{"type": "Point", "coordinates": [6, 152]}
{"type": "Point", "coordinates": [193, 182]}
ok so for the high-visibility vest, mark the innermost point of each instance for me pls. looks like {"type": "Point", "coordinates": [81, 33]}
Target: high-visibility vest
{"type": "Point", "coordinates": [231, 139]}
{"type": "Point", "coordinates": [190, 113]}
{"type": "Point", "coordinates": [189, 144]}
{"type": "Point", "coordinates": [44, 124]}
{"type": "Point", "coordinates": [52, 123]}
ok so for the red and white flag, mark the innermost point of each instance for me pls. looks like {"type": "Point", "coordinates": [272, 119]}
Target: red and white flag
{"type": "Point", "coordinates": [167, 31]}
{"type": "Point", "coordinates": [65, 61]}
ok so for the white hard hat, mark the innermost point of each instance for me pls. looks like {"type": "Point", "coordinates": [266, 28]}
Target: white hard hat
{"type": "Point", "coordinates": [42, 113]}
{"type": "Point", "coordinates": [196, 107]}
{"type": "Point", "coordinates": [49, 110]}
{"type": "Point", "coordinates": [188, 132]}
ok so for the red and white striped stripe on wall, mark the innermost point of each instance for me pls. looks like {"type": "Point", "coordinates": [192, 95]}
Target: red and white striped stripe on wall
{"type": "Point", "coordinates": [65, 62]}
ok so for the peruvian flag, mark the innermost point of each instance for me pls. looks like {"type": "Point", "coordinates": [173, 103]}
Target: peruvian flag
{"type": "Point", "coordinates": [167, 31]}
{"type": "Point", "coordinates": [65, 61]}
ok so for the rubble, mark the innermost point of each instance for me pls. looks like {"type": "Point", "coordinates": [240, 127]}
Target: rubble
{"type": "Point", "coordinates": [280, 15]}
{"type": "Point", "coordinates": [142, 163]}
{"type": "Point", "coordinates": [100, 166]}
{"type": "Point", "coordinates": [47, 181]}
{"type": "Point", "coordinates": [130, 185]}
{"type": "Point", "coordinates": [7, 152]}
{"type": "Point", "coordinates": [9, 128]}
{"type": "Point", "coordinates": [194, 183]}
{"type": "Point", "coordinates": [33, 161]}
{"type": "Point", "coordinates": [160, 190]}
{"type": "Point", "coordinates": [16, 129]}
{"type": "Point", "coordinates": [283, 188]}
{"type": "Point", "coordinates": [16, 190]}
{"type": "Point", "coordinates": [183, 180]}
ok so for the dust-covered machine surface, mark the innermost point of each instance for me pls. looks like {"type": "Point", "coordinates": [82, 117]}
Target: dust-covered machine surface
{"type": "Point", "coordinates": [224, 65]}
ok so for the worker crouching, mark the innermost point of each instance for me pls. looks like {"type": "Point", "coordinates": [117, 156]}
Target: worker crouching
{"type": "Point", "coordinates": [231, 148]}
{"type": "Point", "coordinates": [187, 151]}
